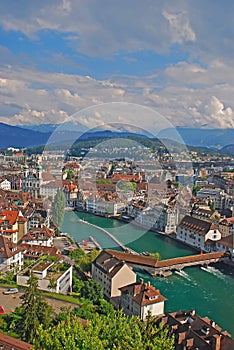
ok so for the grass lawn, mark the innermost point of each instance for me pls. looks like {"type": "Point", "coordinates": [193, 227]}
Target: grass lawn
{"type": "Point", "coordinates": [62, 297]}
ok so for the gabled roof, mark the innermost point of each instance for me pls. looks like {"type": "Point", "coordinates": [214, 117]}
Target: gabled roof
{"type": "Point", "coordinates": [200, 333]}
{"type": "Point", "coordinates": [40, 233]}
{"type": "Point", "coordinates": [9, 215]}
{"type": "Point", "coordinates": [143, 293]}
{"type": "Point", "coordinates": [195, 225]}
{"type": "Point", "coordinates": [108, 263]}
{"type": "Point", "coordinates": [7, 248]}
{"type": "Point", "coordinates": [36, 251]}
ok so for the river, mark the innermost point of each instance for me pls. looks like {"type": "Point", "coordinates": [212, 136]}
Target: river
{"type": "Point", "coordinates": [208, 290]}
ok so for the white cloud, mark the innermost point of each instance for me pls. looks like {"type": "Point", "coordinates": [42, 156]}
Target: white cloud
{"type": "Point", "coordinates": [204, 29]}
{"type": "Point", "coordinates": [191, 95]}
{"type": "Point", "coordinates": [216, 113]}
{"type": "Point", "coordinates": [180, 28]}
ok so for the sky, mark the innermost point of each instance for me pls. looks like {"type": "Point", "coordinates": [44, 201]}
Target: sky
{"type": "Point", "coordinates": [58, 57]}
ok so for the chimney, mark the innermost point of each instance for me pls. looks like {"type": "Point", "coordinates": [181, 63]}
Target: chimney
{"type": "Point", "coordinates": [141, 281]}
{"type": "Point", "coordinates": [147, 285]}
{"type": "Point", "coordinates": [216, 344]}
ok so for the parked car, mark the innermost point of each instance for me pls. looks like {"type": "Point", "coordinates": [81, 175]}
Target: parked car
{"type": "Point", "coordinates": [2, 312]}
{"type": "Point", "coordinates": [11, 291]}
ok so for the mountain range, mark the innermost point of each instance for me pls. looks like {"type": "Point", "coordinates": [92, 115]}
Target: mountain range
{"type": "Point", "coordinates": [212, 138]}
{"type": "Point", "coordinates": [35, 135]}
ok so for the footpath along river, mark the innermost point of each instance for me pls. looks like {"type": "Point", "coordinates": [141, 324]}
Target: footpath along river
{"type": "Point", "coordinates": [209, 290]}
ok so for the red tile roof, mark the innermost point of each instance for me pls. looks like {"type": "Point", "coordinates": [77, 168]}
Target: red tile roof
{"type": "Point", "coordinates": [9, 215]}
{"type": "Point", "coordinates": [143, 293]}
{"type": "Point", "coordinates": [195, 225]}
{"type": "Point", "coordinates": [7, 248]}
{"type": "Point", "coordinates": [35, 251]}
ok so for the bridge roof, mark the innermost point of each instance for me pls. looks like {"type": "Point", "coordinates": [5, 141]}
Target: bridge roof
{"type": "Point", "coordinates": [189, 259]}
{"type": "Point", "coordinates": [152, 262]}
{"type": "Point", "coordinates": [133, 258]}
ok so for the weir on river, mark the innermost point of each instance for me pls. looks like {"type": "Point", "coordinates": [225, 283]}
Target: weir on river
{"type": "Point", "coordinates": [115, 240]}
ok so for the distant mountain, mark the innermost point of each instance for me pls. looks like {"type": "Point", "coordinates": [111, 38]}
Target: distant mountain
{"type": "Point", "coordinates": [37, 135]}
{"type": "Point", "coordinates": [228, 149]}
{"type": "Point", "coordinates": [33, 136]}
{"type": "Point", "coordinates": [212, 138]}
{"type": "Point", "coordinates": [45, 128]}
{"type": "Point", "coordinates": [108, 134]}
{"type": "Point", "coordinates": [18, 137]}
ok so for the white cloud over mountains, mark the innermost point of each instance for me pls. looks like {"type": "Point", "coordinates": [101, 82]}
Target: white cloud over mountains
{"type": "Point", "coordinates": [34, 97]}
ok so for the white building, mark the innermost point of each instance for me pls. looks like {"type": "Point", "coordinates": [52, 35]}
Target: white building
{"type": "Point", "coordinates": [41, 236]}
{"type": "Point", "coordinates": [49, 190]}
{"type": "Point", "coordinates": [197, 233]}
{"type": "Point", "coordinates": [104, 207]}
{"type": "Point", "coordinates": [48, 272]}
{"type": "Point", "coordinates": [159, 218]}
{"type": "Point", "coordinates": [140, 299]}
{"type": "Point", "coordinates": [10, 256]}
{"type": "Point", "coordinates": [5, 185]}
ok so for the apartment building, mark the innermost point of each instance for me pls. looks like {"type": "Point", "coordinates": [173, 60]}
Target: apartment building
{"type": "Point", "coordinates": [141, 299]}
{"type": "Point", "coordinates": [112, 274]}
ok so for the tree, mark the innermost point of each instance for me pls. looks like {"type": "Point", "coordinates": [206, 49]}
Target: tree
{"type": "Point", "coordinates": [93, 291]}
{"type": "Point", "coordinates": [57, 209]}
{"type": "Point", "coordinates": [155, 336]}
{"type": "Point", "coordinates": [70, 174]}
{"type": "Point", "coordinates": [77, 284]}
{"type": "Point", "coordinates": [35, 311]}
{"type": "Point", "coordinates": [82, 260]}
{"type": "Point", "coordinates": [155, 255]}
{"type": "Point", "coordinates": [112, 331]}
{"type": "Point", "coordinates": [52, 284]}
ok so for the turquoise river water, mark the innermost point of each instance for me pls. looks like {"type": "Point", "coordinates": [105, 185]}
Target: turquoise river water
{"type": "Point", "coordinates": [209, 290]}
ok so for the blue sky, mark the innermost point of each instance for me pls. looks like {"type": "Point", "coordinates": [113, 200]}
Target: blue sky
{"type": "Point", "coordinates": [60, 56]}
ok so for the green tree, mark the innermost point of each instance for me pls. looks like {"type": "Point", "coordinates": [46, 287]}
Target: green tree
{"type": "Point", "coordinates": [82, 260]}
{"type": "Point", "coordinates": [35, 311]}
{"type": "Point", "coordinates": [52, 284]}
{"type": "Point", "coordinates": [57, 209]}
{"type": "Point", "coordinates": [70, 174]}
{"type": "Point", "coordinates": [155, 255]}
{"type": "Point", "coordinates": [93, 291]}
{"type": "Point", "coordinates": [113, 331]}
{"type": "Point", "coordinates": [155, 336]}
{"type": "Point", "coordinates": [77, 284]}
{"type": "Point", "coordinates": [105, 308]}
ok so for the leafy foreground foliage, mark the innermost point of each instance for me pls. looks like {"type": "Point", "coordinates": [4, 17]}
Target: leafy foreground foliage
{"type": "Point", "coordinates": [112, 331]}
{"type": "Point", "coordinates": [104, 328]}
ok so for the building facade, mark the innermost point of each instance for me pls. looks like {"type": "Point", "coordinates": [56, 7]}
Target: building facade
{"type": "Point", "coordinates": [112, 274]}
